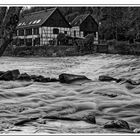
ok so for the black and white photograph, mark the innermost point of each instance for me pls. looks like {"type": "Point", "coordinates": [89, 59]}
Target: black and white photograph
{"type": "Point", "coordinates": [69, 69]}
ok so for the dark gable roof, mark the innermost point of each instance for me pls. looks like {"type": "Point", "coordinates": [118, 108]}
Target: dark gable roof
{"type": "Point", "coordinates": [79, 19]}
{"type": "Point", "coordinates": [35, 19]}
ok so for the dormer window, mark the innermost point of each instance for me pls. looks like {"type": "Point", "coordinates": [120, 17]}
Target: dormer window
{"type": "Point", "coordinates": [19, 24]}
{"type": "Point", "coordinates": [30, 22]}
{"type": "Point", "coordinates": [34, 22]}
{"type": "Point", "coordinates": [38, 21]}
{"type": "Point", "coordinates": [23, 23]}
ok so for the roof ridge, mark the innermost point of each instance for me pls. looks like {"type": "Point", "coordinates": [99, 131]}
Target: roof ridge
{"type": "Point", "coordinates": [41, 11]}
{"type": "Point", "coordinates": [51, 9]}
{"type": "Point", "coordinates": [81, 15]}
{"type": "Point", "coordinates": [80, 18]}
{"type": "Point", "coordinates": [38, 18]}
{"type": "Point", "coordinates": [84, 14]}
{"type": "Point", "coordinates": [35, 12]}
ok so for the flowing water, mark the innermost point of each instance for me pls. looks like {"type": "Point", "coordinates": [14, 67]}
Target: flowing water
{"type": "Point", "coordinates": [23, 100]}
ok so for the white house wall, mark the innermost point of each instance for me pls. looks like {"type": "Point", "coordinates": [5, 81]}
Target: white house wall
{"type": "Point", "coordinates": [46, 34]}
{"type": "Point", "coordinates": [78, 32]}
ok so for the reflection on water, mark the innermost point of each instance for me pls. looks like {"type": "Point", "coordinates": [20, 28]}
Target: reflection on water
{"type": "Point", "coordinates": [23, 100]}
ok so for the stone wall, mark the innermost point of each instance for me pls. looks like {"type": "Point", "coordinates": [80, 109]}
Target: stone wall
{"type": "Point", "coordinates": [46, 51]}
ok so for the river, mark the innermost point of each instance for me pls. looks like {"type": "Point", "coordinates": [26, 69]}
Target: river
{"type": "Point", "coordinates": [22, 100]}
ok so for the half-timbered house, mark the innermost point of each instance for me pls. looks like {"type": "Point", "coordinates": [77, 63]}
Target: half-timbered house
{"type": "Point", "coordinates": [41, 28]}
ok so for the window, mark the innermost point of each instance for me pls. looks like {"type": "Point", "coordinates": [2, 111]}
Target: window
{"type": "Point", "coordinates": [65, 32]}
{"type": "Point", "coordinates": [55, 31]}
{"type": "Point", "coordinates": [29, 42]}
{"type": "Point", "coordinates": [74, 33]}
{"type": "Point", "coordinates": [21, 32]}
{"type": "Point", "coordinates": [28, 31]}
{"type": "Point", "coordinates": [36, 31]}
{"type": "Point", "coordinates": [37, 41]}
{"type": "Point", "coordinates": [14, 42]}
{"type": "Point", "coordinates": [21, 42]}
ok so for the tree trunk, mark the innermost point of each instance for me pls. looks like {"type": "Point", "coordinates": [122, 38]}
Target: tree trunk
{"type": "Point", "coordinates": [9, 18]}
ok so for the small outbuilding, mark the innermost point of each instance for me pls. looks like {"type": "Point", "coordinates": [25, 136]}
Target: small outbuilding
{"type": "Point", "coordinates": [83, 25]}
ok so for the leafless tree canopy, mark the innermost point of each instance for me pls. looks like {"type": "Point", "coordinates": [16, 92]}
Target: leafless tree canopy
{"type": "Point", "coordinates": [9, 18]}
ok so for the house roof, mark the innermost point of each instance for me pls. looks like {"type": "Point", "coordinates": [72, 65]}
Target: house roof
{"type": "Point", "coordinates": [35, 19]}
{"type": "Point", "coordinates": [79, 19]}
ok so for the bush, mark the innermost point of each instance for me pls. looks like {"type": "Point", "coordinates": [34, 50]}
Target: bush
{"type": "Point", "coordinates": [121, 47]}
{"type": "Point", "coordinates": [111, 42]}
{"type": "Point", "coordinates": [86, 44]}
{"type": "Point", "coordinates": [62, 40]}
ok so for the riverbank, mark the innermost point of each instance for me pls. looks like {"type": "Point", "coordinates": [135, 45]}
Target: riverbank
{"type": "Point", "coordinates": [111, 47]}
{"type": "Point", "coordinates": [118, 47]}
{"type": "Point", "coordinates": [42, 51]}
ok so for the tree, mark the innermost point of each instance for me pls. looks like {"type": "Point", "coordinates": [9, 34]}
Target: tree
{"type": "Point", "coordinates": [9, 20]}
{"type": "Point", "coordinates": [85, 44]}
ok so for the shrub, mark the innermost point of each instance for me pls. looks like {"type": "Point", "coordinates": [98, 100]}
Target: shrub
{"type": "Point", "coordinates": [62, 40]}
{"type": "Point", "coordinates": [111, 42]}
{"type": "Point", "coordinates": [121, 47]}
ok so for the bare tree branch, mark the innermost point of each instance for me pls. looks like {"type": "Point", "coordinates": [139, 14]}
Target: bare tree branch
{"type": "Point", "coordinates": [10, 18]}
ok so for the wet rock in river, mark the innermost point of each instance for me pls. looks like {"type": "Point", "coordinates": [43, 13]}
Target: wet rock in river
{"type": "Point", "coordinates": [54, 80]}
{"type": "Point", "coordinates": [33, 77]}
{"type": "Point", "coordinates": [69, 78]}
{"type": "Point", "coordinates": [129, 84]}
{"type": "Point", "coordinates": [120, 80]}
{"type": "Point", "coordinates": [106, 78]}
{"type": "Point", "coordinates": [36, 78]}
{"type": "Point", "coordinates": [22, 122]}
{"type": "Point", "coordinates": [130, 81]}
{"type": "Point", "coordinates": [90, 118]}
{"type": "Point", "coordinates": [40, 78]}
{"type": "Point", "coordinates": [24, 77]}
{"type": "Point", "coordinates": [10, 75]}
{"type": "Point", "coordinates": [117, 124]}
{"type": "Point", "coordinates": [1, 73]}
{"type": "Point", "coordinates": [106, 94]}
{"type": "Point", "coordinates": [137, 130]}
